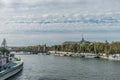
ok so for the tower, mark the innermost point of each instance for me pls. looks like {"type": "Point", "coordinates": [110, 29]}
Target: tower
{"type": "Point", "coordinates": [82, 38]}
{"type": "Point", "coordinates": [44, 48]}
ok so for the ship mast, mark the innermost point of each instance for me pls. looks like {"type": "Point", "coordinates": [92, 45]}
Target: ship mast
{"type": "Point", "coordinates": [4, 44]}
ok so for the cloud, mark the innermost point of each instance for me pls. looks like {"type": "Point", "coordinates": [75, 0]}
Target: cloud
{"type": "Point", "coordinates": [33, 22]}
{"type": "Point", "coordinates": [36, 1]}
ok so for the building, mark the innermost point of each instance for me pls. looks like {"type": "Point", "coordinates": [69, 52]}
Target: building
{"type": "Point", "coordinates": [79, 42]}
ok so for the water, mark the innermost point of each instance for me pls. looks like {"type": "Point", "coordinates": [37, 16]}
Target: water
{"type": "Point", "coordinates": [43, 67]}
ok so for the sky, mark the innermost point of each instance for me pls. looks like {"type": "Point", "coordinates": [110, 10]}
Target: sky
{"type": "Point", "coordinates": [36, 22]}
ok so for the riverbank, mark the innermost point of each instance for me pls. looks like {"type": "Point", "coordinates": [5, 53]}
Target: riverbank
{"type": "Point", "coordinates": [86, 55]}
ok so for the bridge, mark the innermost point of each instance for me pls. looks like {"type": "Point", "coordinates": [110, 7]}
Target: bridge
{"type": "Point", "coordinates": [31, 51]}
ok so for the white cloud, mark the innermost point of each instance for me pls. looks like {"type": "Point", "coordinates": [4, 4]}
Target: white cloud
{"type": "Point", "coordinates": [6, 1]}
{"type": "Point", "coordinates": [56, 21]}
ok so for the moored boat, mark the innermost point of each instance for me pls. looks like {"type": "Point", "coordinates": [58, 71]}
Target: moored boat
{"type": "Point", "coordinates": [89, 55]}
{"type": "Point", "coordinates": [114, 57]}
{"type": "Point", "coordinates": [11, 69]}
{"type": "Point", "coordinates": [9, 64]}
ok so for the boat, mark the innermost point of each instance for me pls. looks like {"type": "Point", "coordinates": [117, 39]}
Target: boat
{"type": "Point", "coordinates": [114, 57]}
{"type": "Point", "coordinates": [89, 55]}
{"type": "Point", "coordinates": [12, 69]}
{"type": "Point", "coordinates": [9, 64]}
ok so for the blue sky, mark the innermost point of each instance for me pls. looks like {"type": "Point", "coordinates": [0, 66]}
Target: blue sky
{"type": "Point", "coordinates": [34, 22]}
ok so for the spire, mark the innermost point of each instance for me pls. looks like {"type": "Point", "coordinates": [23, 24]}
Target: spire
{"type": "Point", "coordinates": [4, 44]}
{"type": "Point", "coordinates": [82, 38]}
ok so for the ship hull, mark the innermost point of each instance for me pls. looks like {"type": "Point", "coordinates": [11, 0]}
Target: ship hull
{"type": "Point", "coordinates": [10, 72]}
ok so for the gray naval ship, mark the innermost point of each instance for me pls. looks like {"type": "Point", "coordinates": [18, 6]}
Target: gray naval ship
{"type": "Point", "coordinates": [9, 64]}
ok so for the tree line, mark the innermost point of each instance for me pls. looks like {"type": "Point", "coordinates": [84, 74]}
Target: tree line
{"type": "Point", "coordinates": [96, 47]}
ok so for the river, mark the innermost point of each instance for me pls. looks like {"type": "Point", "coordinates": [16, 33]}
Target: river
{"type": "Point", "coordinates": [46, 67]}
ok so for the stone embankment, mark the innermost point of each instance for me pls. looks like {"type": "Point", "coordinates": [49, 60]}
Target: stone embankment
{"type": "Point", "coordinates": [86, 55]}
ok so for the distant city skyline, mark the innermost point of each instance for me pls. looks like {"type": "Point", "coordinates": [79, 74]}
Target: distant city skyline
{"type": "Point", "coordinates": [34, 22]}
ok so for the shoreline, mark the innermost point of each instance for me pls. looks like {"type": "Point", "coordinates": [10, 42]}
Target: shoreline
{"type": "Point", "coordinates": [86, 55]}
